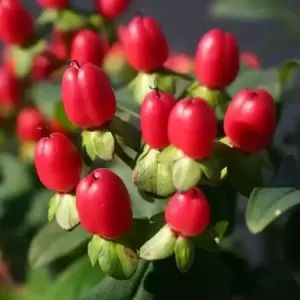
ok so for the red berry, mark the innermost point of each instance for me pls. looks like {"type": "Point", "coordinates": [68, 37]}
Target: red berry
{"type": "Point", "coordinates": [55, 126]}
{"type": "Point", "coordinates": [250, 59]}
{"type": "Point", "coordinates": [88, 46]}
{"type": "Point", "coordinates": [54, 4]}
{"type": "Point", "coordinates": [87, 95]}
{"type": "Point", "coordinates": [250, 120]}
{"type": "Point", "coordinates": [16, 25]}
{"type": "Point", "coordinates": [42, 68]}
{"type": "Point", "coordinates": [58, 163]}
{"type": "Point", "coordinates": [192, 127]}
{"type": "Point", "coordinates": [10, 88]}
{"type": "Point", "coordinates": [180, 63]}
{"type": "Point", "coordinates": [31, 125]}
{"type": "Point", "coordinates": [111, 9]}
{"type": "Point", "coordinates": [217, 60]}
{"type": "Point", "coordinates": [103, 204]}
{"type": "Point", "coordinates": [155, 111]}
{"type": "Point", "coordinates": [188, 213]}
{"type": "Point", "coordinates": [144, 43]}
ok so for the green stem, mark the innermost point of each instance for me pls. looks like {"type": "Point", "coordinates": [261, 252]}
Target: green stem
{"type": "Point", "coordinates": [123, 155]}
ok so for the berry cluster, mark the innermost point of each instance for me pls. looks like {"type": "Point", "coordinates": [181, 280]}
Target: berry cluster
{"type": "Point", "coordinates": [181, 149]}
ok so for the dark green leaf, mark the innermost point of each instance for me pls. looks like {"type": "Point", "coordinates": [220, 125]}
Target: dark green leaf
{"type": "Point", "coordinates": [15, 179]}
{"type": "Point", "coordinates": [245, 9]}
{"type": "Point", "coordinates": [268, 203]}
{"type": "Point", "coordinates": [52, 242]}
{"type": "Point", "coordinates": [62, 118]}
{"type": "Point", "coordinates": [46, 96]}
{"type": "Point", "coordinates": [143, 207]}
{"type": "Point", "coordinates": [38, 211]}
{"type": "Point", "coordinates": [267, 79]}
{"type": "Point", "coordinates": [245, 172]}
{"type": "Point", "coordinates": [76, 280]}
{"type": "Point", "coordinates": [162, 280]}
{"type": "Point", "coordinates": [286, 69]}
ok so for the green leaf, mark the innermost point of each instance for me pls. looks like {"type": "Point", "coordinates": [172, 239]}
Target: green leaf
{"type": "Point", "coordinates": [76, 280]}
{"type": "Point", "coordinates": [267, 79]}
{"type": "Point", "coordinates": [38, 280]}
{"type": "Point", "coordinates": [62, 118]}
{"type": "Point", "coordinates": [69, 20]}
{"type": "Point", "coordinates": [245, 171]}
{"type": "Point", "coordinates": [162, 280]}
{"type": "Point", "coordinates": [52, 242]}
{"type": "Point", "coordinates": [23, 58]}
{"type": "Point", "coordinates": [268, 203]}
{"type": "Point", "coordinates": [45, 97]}
{"type": "Point", "coordinates": [48, 16]}
{"type": "Point", "coordinates": [245, 9]}
{"type": "Point", "coordinates": [142, 206]}
{"type": "Point", "coordinates": [37, 214]}
{"type": "Point", "coordinates": [286, 69]}
{"type": "Point", "coordinates": [15, 179]}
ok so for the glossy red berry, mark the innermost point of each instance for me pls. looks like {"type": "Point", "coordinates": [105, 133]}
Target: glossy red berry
{"type": "Point", "coordinates": [250, 120]}
{"type": "Point", "coordinates": [87, 95]}
{"type": "Point", "coordinates": [192, 127]}
{"type": "Point", "coordinates": [16, 24]}
{"type": "Point", "coordinates": [188, 213]}
{"type": "Point", "coordinates": [144, 43]}
{"type": "Point", "coordinates": [54, 4]}
{"type": "Point", "coordinates": [155, 111]}
{"type": "Point", "coordinates": [31, 125]}
{"type": "Point", "coordinates": [111, 9]}
{"type": "Point", "coordinates": [103, 204]}
{"type": "Point", "coordinates": [58, 163]}
{"type": "Point", "coordinates": [10, 88]}
{"type": "Point", "coordinates": [217, 59]}
{"type": "Point", "coordinates": [88, 46]}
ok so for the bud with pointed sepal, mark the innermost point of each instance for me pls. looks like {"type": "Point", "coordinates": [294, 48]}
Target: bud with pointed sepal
{"type": "Point", "coordinates": [142, 84]}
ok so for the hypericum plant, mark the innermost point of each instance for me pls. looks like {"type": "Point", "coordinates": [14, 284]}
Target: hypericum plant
{"type": "Point", "coordinates": [143, 158]}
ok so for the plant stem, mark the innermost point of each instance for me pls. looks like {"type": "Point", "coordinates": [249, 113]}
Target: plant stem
{"type": "Point", "coordinates": [123, 155]}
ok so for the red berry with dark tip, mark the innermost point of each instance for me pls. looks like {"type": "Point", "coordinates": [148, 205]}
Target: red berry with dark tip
{"type": "Point", "coordinates": [217, 59]}
{"type": "Point", "coordinates": [58, 163]}
{"type": "Point", "coordinates": [87, 95]}
{"type": "Point", "coordinates": [250, 120]}
{"type": "Point", "coordinates": [88, 46]}
{"type": "Point", "coordinates": [192, 127]}
{"type": "Point", "coordinates": [54, 4]}
{"type": "Point", "coordinates": [188, 213]}
{"type": "Point", "coordinates": [16, 24]}
{"type": "Point", "coordinates": [31, 125]}
{"type": "Point", "coordinates": [144, 43]}
{"type": "Point", "coordinates": [155, 111]}
{"type": "Point", "coordinates": [111, 9]}
{"type": "Point", "coordinates": [103, 204]}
